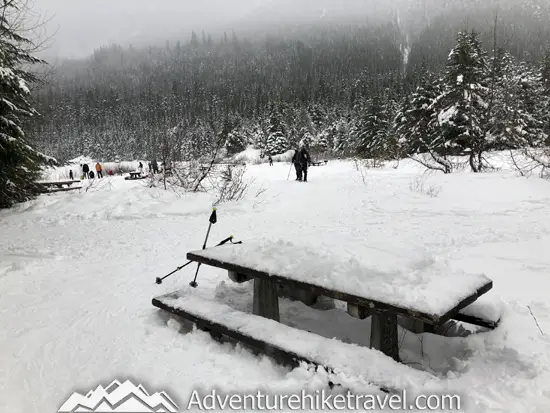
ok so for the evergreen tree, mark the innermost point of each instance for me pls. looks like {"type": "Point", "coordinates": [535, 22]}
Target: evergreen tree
{"type": "Point", "coordinates": [463, 106]}
{"type": "Point", "coordinates": [512, 121]}
{"type": "Point", "coordinates": [544, 106]}
{"type": "Point", "coordinates": [276, 139]}
{"type": "Point", "coordinates": [322, 140]}
{"type": "Point", "coordinates": [371, 132]}
{"type": "Point", "coordinates": [20, 163]}
{"type": "Point", "coordinates": [415, 129]}
{"type": "Point", "coordinates": [341, 138]}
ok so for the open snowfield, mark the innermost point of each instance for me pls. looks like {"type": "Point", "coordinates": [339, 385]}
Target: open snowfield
{"type": "Point", "coordinates": [77, 275]}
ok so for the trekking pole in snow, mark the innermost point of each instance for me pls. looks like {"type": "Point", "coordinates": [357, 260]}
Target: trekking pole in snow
{"type": "Point", "coordinates": [225, 241]}
{"type": "Point", "coordinates": [289, 169]}
{"type": "Point", "coordinates": [159, 280]}
{"type": "Point", "coordinates": [213, 219]}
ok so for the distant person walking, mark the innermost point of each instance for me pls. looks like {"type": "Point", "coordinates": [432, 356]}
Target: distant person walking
{"type": "Point", "coordinates": [140, 168]}
{"type": "Point", "coordinates": [71, 176]}
{"type": "Point", "coordinates": [305, 160]}
{"type": "Point", "coordinates": [301, 161]}
{"type": "Point", "coordinates": [85, 170]}
{"type": "Point", "coordinates": [99, 170]}
{"type": "Point", "coordinates": [155, 166]}
{"type": "Point", "coordinates": [270, 160]}
{"type": "Point", "coordinates": [297, 165]}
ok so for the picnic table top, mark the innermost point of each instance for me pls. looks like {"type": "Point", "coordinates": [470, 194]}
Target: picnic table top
{"type": "Point", "coordinates": [432, 294]}
{"type": "Point", "coordinates": [57, 182]}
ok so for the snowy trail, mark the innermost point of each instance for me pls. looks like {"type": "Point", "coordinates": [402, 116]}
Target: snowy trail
{"type": "Point", "coordinates": [77, 276]}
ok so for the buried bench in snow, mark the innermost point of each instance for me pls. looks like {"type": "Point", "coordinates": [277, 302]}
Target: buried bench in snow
{"type": "Point", "coordinates": [293, 345]}
{"type": "Point", "coordinates": [135, 176]}
{"type": "Point", "coordinates": [58, 186]}
{"type": "Point", "coordinates": [482, 313]}
{"type": "Point", "coordinates": [431, 296]}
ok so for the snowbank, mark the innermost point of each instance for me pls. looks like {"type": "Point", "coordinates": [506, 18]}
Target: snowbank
{"type": "Point", "coordinates": [77, 275]}
{"type": "Point", "coordinates": [252, 156]}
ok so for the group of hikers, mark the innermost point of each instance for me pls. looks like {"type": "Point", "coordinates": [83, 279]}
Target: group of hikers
{"type": "Point", "coordinates": [87, 174]}
{"type": "Point", "coordinates": [301, 160]}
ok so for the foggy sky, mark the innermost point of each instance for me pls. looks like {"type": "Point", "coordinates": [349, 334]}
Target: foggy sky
{"type": "Point", "coordinates": [80, 26]}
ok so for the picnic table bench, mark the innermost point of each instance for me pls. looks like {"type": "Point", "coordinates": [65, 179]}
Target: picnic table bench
{"type": "Point", "coordinates": [278, 269]}
{"type": "Point", "coordinates": [318, 163]}
{"type": "Point", "coordinates": [135, 175]}
{"type": "Point", "coordinates": [58, 186]}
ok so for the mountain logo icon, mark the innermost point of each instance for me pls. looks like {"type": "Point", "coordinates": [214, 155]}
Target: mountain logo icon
{"type": "Point", "coordinates": [119, 397]}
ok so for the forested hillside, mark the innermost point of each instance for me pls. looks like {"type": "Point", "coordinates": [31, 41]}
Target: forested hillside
{"type": "Point", "coordinates": [369, 88]}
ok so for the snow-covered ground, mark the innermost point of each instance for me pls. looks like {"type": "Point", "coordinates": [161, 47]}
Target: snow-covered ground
{"type": "Point", "coordinates": [77, 275]}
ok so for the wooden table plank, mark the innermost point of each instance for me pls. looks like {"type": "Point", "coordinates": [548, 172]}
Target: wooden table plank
{"type": "Point", "coordinates": [234, 258]}
{"type": "Point", "coordinates": [274, 338]}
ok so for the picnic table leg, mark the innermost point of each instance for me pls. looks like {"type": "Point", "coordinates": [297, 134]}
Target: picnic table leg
{"type": "Point", "coordinates": [266, 299]}
{"type": "Point", "coordinates": [383, 335]}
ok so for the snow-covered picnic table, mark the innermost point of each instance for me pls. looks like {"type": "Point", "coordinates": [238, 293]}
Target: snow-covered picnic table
{"type": "Point", "coordinates": [57, 186]}
{"type": "Point", "coordinates": [427, 295]}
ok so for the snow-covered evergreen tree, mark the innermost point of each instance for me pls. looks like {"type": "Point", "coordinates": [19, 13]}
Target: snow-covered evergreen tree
{"type": "Point", "coordinates": [544, 106]}
{"type": "Point", "coordinates": [307, 139]}
{"type": "Point", "coordinates": [371, 130]}
{"type": "Point", "coordinates": [322, 140]}
{"type": "Point", "coordinates": [276, 140]}
{"type": "Point", "coordinates": [462, 107]}
{"type": "Point", "coordinates": [512, 120]}
{"type": "Point", "coordinates": [414, 127]}
{"type": "Point", "coordinates": [19, 163]}
{"type": "Point", "coordinates": [341, 138]}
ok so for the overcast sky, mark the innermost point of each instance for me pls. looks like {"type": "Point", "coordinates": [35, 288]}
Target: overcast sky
{"type": "Point", "coordinates": [79, 26]}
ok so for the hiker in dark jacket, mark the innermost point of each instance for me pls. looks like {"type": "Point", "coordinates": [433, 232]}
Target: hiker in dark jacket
{"type": "Point", "coordinates": [297, 165]}
{"type": "Point", "coordinates": [155, 166]}
{"type": "Point", "coordinates": [305, 160]}
{"type": "Point", "coordinates": [85, 170]}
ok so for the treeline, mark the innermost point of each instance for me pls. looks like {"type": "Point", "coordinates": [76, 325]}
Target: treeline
{"type": "Point", "coordinates": [344, 89]}
{"type": "Point", "coordinates": [122, 101]}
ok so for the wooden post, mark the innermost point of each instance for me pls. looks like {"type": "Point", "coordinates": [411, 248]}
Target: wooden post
{"type": "Point", "coordinates": [383, 335]}
{"type": "Point", "coordinates": [358, 311]}
{"type": "Point", "coordinates": [266, 299]}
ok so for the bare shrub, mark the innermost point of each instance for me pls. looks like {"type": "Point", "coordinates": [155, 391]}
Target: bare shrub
{"type": "Point", "coordinates": [419, 184]}
{"type": "Point", "coordinates": [257, 200]}
{"type": "Point", "coordinates": [434, 162]}
{"type": "Point", "coordinates": [531, 160]}
{"type": "Point", "coordinates": [362, 169]}
{"type": "Point", "coordinates": [231, 184]}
